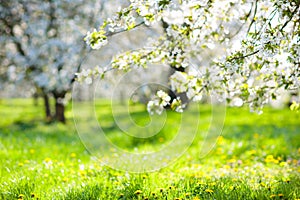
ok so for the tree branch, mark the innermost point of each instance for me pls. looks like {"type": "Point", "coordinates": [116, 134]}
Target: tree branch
{"type": "Point", "coordinates": [254, 15]}
{"type": "Point", "coordinates": [292, 15]}
{"type": "Point", "coordinates": [244, 56]}
{"type": "Point", "coordinates": [124, 30]}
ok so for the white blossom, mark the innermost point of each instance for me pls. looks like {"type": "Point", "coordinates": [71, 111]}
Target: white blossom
{"type": "Point", "coordinates": [237, 102]}
{"type": "Point", "coordinates": [173, 17]}
{"type": "Point", "coordinates": [252, 56]}
{"type": "Point", "coordinates": [96, 39]}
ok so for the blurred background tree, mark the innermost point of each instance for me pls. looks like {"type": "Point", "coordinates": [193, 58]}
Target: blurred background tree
{"type": "Point", "coordinates": [42, 46]}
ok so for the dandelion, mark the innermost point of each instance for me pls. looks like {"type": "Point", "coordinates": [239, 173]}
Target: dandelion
{"type": "Point", "coordinates": [220, 140]}
{"type": "Point", "coordinates": [262, 185]}
{"type": "Point", "coordinates": [231, 160]}
{"type": "Point", "coordinates": [144, 176]}
{"type": "Point", "coordinates": [82, 173]}
{"type": "Point", "coordinates": [271, 159]}
{"type": "Point", "coordinates": [171, 187]}
{"type": "Point", "coordinates": [47, 160]}
{"type": "Point", "coordinates": [252, 152]}
{"type": "Point", "coordinates": [282, 164]}
{"type": "Point", "coordinates": [138, 192]}
{"type": "Point", "coordinates": [280, 195]}
{"type": "Point", "coordinates": [73, 155]}
{"type": "Point", "coordinates": [209, 191]}
{"type": "Point", "coordinates": [121, 195]}
{"type": "Point", "coordinates": [21, 164]}
{"type": "Point", "coordinates": [279, 158]}
{"type": "Point", "coordinates": [21, 196]}
{"type": "Point", "coordinates": [200, 183]}
{"type": "Point", "coordinates": [117, 183]}
{"type": "Point", "coordinates": [220, 150]}
{"type": "Point", "coordinates": [227, 166]}
{"type": "Point", "coordinates": [272, 196]}
{"type": "Point", "coordinates": [31, 151]}
{"type": "Point", "coordinates": [65, 179]}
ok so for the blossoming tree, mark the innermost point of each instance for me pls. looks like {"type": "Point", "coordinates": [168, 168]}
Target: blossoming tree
{"type": "Point", "coordinates": [41, 44]}
{"type": "Point", "coordinates": [260, 56]}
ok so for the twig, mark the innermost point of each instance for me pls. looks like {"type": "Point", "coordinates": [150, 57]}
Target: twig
{"type": "Point", "coordinates": [124, 30]}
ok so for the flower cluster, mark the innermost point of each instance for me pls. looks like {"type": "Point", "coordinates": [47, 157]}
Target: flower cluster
{"type": "Point", "coordinates": [96, 39]}
{"type": "Point", "coordinates": [87, 75]}
{"type": "Point", "coordinates": [157, 105]}
{"type": "Point", "coordinates": [261, 54]}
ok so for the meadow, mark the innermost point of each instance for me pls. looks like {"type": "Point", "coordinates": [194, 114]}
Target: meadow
{"type": "Point", "coordinates": [256, 157]}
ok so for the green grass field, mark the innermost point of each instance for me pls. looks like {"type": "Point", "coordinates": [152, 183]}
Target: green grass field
{"type": "Point", "coordinates": [257, 157]}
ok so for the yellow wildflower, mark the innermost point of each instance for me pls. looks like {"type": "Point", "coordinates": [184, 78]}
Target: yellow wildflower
{"type": "Point", "coordinates": [138, 192]}
{"type": "Point", "coordinates": [282, 164]}
{"type": "Point", "coordinates": [73, 155]}
{"type": "Point", "coordinates": [144, 176]}
{"type": "Point", "coordinates": [209, 191]}
{"type": "Point", "coordinates": [171, 187]}
{"type": "Point", "coordinates": [271, 159]}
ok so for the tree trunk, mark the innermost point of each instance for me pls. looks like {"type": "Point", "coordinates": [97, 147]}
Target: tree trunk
{"type": "Point", "coordinates": [173, 69]}
{"type": "Point", "coordinates": [59, 110]}
{"type": "Point", "coordinates": [174, 94]}
{"type": "Point", "coordinates": [35, 98]}
{"type": "Point", "coordinates": [47, 107]}
{"type": "Point", "coordinates": [59, 106]}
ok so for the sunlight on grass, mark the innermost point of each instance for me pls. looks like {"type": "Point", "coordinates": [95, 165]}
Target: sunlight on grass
{"type": "Point", "coordinates": [257, 157]}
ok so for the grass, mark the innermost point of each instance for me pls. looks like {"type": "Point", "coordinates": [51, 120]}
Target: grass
{"type": "Point", "coordinates": [257, 157]}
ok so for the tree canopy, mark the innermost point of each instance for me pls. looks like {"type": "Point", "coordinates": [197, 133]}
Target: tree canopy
{"type": "Point", "coordinates": [256, 45]}
{"type": "Point", "coordinates": [41, 44]}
